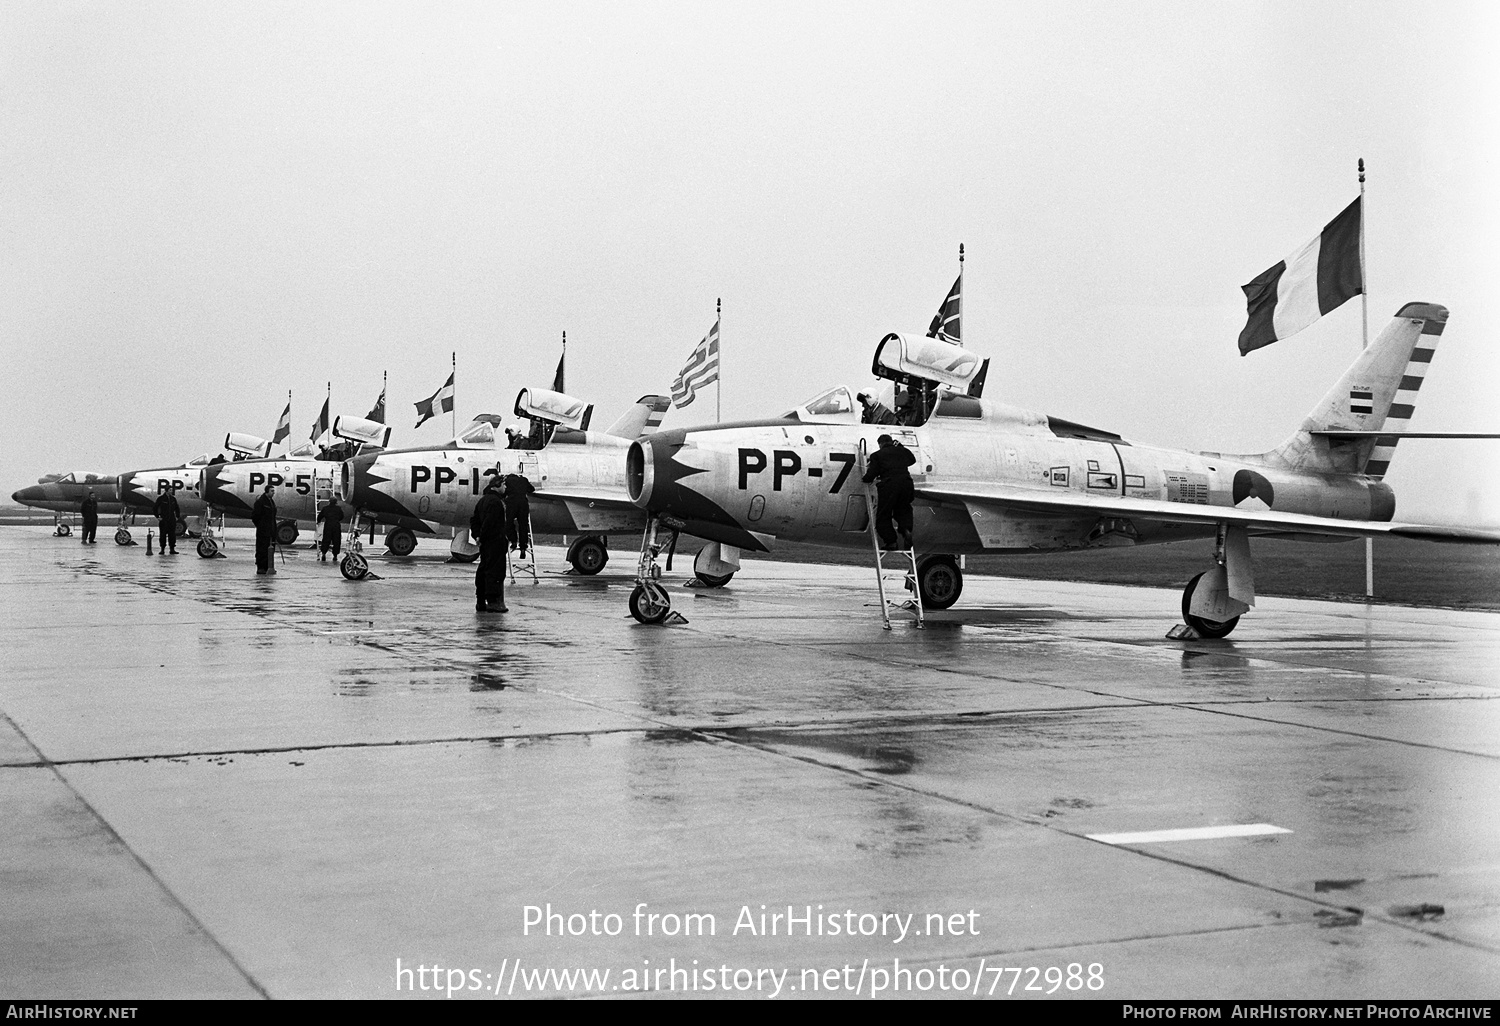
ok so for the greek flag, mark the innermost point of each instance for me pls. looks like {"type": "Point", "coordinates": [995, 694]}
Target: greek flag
{"type": "Point", "coordinates": [702, 368]}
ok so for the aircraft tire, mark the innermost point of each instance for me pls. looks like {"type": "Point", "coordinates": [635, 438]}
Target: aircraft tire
{"type": "Point", "coordinates": [940, 580]}
{"type": "Point", "coordinates": [354, 567]}
{"type": "Point", "coordinates": [715, 580]}
{"type": "Point", "coordinates": [122, 536]}
{"type": "Point", "coordinates": [286, 532]}
{"type": "Point", "coordinates": [454, 557]}
{"type": "Point", "coordinates": [63, 530]}
{"type": "Point", "coordinates": [588, 557]}
{"type": "Point", "coordinates": [1207, 628]}
{"type": "Point", "coordinates": [182, 528]}
{"type": "Point", "coordinates": [400, 542]}
{"type": "Point", "coordinates": [208, 548]}
{"type": "Point", "coordinates": [648, 607]}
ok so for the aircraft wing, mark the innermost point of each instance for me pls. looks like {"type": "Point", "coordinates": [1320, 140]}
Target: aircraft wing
{"type": "Point", "coordinates": [593, 508]}
{"type": "Point", "coordinates": [981, 495]}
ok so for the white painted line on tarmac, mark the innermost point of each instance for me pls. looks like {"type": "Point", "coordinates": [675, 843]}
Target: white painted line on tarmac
{"type": "Point", "coordinates": [1190, 834]}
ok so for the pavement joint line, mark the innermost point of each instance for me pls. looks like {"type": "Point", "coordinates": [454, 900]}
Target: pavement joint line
{"type": "Point", "coordinates": [151, 874]}
{"type": "Point", "coordinates": [1334, 730]}
{"type": "Point", "coordinates": [1015, 818]}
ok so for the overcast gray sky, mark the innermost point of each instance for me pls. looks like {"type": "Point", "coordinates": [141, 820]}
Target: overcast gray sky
{"type": "Point", "coordinates": [205, 205]}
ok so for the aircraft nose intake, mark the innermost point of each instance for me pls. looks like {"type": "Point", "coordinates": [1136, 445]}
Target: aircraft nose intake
{"type": "Point", "coordinates": [640, 473]}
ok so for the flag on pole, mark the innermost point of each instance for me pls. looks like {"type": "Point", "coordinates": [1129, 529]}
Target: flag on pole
{"type": "Point", "coordinates": [557, 379]}
{"type": "Point", "coordinates": [320, 426]}
{"type": "Point", "coordinates": [1315, 280]}
{"type": "Point", "coordinates": [946, 324]}
{"type": "Point", "coordinates": [702, 368]}
{"type": "Point", "coordinates": [440, 401]}
{"type": "Point", "coordinates": [378, 413]}
{"type": "Point", "coordinates": [283, 426]}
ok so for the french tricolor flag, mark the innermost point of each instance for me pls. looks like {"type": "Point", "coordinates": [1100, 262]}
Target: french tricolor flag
{"type": "Point", "coordinates": [1313, 281]}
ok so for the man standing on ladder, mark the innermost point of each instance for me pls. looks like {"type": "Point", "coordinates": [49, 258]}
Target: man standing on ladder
{"type": "Point", "coordinates": [887, 468]}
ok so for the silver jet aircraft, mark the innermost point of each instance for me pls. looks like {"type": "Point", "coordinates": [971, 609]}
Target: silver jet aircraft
{"type": "Point", "coordinates": [304, 481]}
{"type": "Point", "coordinates": [994, 478]}
{"type": "Point", "coordinates": [578, 474]}
{"type": "Point", "coordinates": [64, 493]}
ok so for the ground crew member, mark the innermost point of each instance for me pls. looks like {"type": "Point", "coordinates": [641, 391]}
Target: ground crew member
{"type": "Point", "coordinates": [167, 515]}
{"type": "Point", "coordinates": [887, 467]}
{"type": "Point", "coordinates": [90, 517]}
{"type": "Point", "coordinates": [263, 516]}
{"type": "Point", "coordinates": [488, 529]}
{"type": "Point", "coordinates": [518, 509]}
{"type": "Point", "coordinates": [331, 516]}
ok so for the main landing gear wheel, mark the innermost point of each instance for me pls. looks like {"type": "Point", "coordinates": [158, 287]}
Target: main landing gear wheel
{"type": "Point", "coordinates": [286, 533]}
{"type": "Point", "coordinates": [354, 566]}
{"type": "Point", "coordinates": [588, 558]}
{"type": "Point", "coordinates": [649, 603]}
{"type": "Point", "coordinates": [464, 557]}
{"type": "Point", "coordinates": [401, 541]}
{"type": "Point", "coordinates": [208, 548]}
{"type": "Point", "coordinates": [1207, 628]}
{"type": "Point", "coordinates": [940, 580]}
{"type": "Point", "coordinates": [715, 580]}
{"type": "Point", "coordinates": [122, 536]}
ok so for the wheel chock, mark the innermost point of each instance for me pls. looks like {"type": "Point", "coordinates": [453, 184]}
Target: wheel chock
{"type": "Point", "coordinates": [1182, 632]}
{"type": "Point", "coordinates": [673, 618]}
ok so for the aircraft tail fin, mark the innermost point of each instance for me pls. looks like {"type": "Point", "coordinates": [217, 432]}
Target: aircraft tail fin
{"type": "Point", "coordinates": [1377, 393]}
{"type": "Point", "coordinates": [641, 419]}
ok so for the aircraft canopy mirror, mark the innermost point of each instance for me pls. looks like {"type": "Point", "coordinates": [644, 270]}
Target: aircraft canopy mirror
{"type": "Point", "coordinates": [365, 432]}
{"type": "Point", "coordinates": [480, 434]}
{"type": "Point", "coordinates": [554, 408]}
{"type": "Point", "coordinates": [834, 404]}
{"type": "Point", "coordinates": [903, 357]}
{"type": "Point", "coordinates": [247, 446]}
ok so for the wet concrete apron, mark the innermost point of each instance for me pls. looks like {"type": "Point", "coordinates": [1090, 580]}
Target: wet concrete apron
{"type": "Point", "coordinates": [223, 784]}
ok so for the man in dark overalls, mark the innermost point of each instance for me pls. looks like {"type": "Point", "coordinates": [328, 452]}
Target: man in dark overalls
{"type": "Point", "coordinates": [887, 467]}
{"type": "Point", "coordinates": [263, 516]}
{"type": "Point", "coordinates": [90, 517]}
{"type": "Point", "coordinates": [518, 510]}
{"type": "Point", "coordinates": [331, 516]}
{"type": "Point", "coordinates": [167, 515]}
{"type": "Point", "coordinates": [487, 527]}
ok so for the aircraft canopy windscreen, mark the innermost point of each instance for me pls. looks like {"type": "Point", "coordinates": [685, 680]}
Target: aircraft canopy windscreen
{"type": "Point", "coordinates": [833, 403]}
{"type": "Point", "coordinates": [480, 434]}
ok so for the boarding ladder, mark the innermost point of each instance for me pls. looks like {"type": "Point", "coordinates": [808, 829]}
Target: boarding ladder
{"type": "Point", "coordinates": [905, 559]}
{"type": "Point", "coordinates": [528, 566]}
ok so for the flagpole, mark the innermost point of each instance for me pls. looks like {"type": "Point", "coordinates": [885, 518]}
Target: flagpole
{"type": "Point", "coordinates": [1364, 343]}
{"type": "Point", "coordinates": [289, 422]}
{"type": "Point", "coordinates": [328, 405]}
{"type": "Point", "coordinates": [455, 393]}
{"type": "Point", "coordinates": [960, 293]}
{"type": "Point", "coordinates": [719, 381]}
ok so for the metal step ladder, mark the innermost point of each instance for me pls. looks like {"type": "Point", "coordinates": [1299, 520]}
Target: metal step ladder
{"type": "Point", "coordinates": [904, 560]}
{"type": "Point", "coordinates": [528, 565]}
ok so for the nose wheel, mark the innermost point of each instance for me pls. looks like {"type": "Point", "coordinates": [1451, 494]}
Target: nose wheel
{"type": "Point", "coordinates": [649, 601]}
{"type": "Point", "coordinates": [354, 566]}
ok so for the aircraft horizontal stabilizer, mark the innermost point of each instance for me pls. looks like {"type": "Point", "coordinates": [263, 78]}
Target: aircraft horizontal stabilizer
{"type": "Point", "coordinates": [1264, 521]}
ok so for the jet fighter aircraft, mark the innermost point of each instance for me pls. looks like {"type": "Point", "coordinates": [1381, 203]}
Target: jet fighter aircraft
{"type": "Point", "coordinates": [304, 479]}
{"type": "Point", "coordinates": [578, 474]}
{"type": "Point", "coordinates": [64, 493]}
{"type": "Point", "coordinates": [994, 478]}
